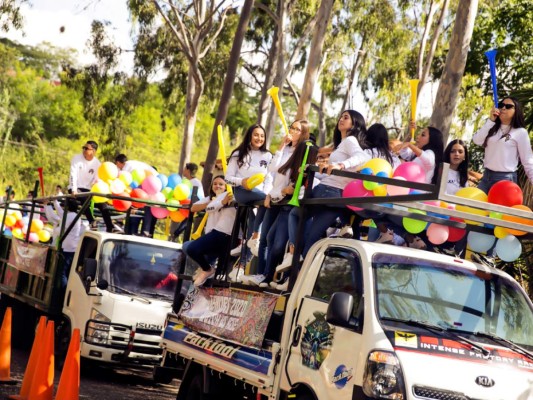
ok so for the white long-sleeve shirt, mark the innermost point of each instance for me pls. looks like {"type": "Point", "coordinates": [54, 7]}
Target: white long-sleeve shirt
{"type": "Point", "coordinates": [279, 158]}
{"type": "Point", "coordinates": [83, 173]}
{"type": "Point", "coordinates": [426, 160]}
{"type": "Point", "coordinates": [132, 165]}
{"type": "Point", "coordinates": [71, 241]}
{"type": "Point", "coordinates": [351, 155]}
{"type": "Point", "coordinates": [375, 154]}
{"type": "Point", "coordinates": [256, 162]}
{"type": "Point", "coordinates": [220, 218]}
{"type": "Point", "coordinates": [502, 154]}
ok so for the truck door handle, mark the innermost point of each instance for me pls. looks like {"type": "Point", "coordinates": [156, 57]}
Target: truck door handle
{"type": "Point", "coordinates": [296, 336]}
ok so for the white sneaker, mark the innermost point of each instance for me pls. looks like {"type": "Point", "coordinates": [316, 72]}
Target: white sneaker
{"type": "Point", "coordinates": [236, 251]}
{"type": "Point", "coordinates": [264, 284]}
{"type": "Point", "coordinates": [286, 263]}
{"type": "Point", "coordinates": [346, 232]}
{"type": "Point", "coordinates": [256, 280]}
{"type": "Point", "coordinates": [332, 232]}
{"type": "Point", "coordinates": [245, 279]}
{"type": "Point", "coordinates": [283, 286]}
{"type": "Point", "coordinates": [253, 244]}
{"type": "Point", "coordinates": [386, 237]}
{"type": "Point", "coordinates": [273, 284]}
{"type": "Point", "coordinates": [236, 274]}
{"type": "Point", "coordinates": [203, 276]}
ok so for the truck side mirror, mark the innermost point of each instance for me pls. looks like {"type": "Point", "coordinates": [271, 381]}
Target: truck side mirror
{"type": "Point", "coordinates": [102, 284]}
{"type": "Point", "coordinates": [340, 309]}
{"type": "Point", "coordinates": [89, 269]}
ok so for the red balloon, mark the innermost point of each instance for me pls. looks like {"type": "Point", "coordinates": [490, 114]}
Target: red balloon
{"type": "Point", "coordinates": [456, 234]}
{"type": "Point", "coordinates": [505, 193]}
{"type": "Point", "coordinates": [138, 194]}
{"type": "Point", "coordinates": [122, 205]}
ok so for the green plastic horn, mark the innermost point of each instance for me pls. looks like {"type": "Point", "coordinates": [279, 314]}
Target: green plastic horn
{"type": "Point", "coordinates": [294, 200]}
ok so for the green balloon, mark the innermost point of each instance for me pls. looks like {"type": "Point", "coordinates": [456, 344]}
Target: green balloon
{"type": "Point", "coordinates": [414, 226]}
{"type": "Point", "coordinates": [370, 185]}
{"type": "Point", "coordinates": [167, 192]}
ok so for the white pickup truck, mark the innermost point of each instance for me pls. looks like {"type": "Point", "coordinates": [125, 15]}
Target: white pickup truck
{"type": "Point", "coordinates": [361, 321]}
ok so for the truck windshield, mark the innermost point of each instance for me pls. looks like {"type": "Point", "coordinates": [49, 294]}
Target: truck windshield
{"type": "Point", "coordinates": [144, 269]}
{"type": "Point", "coordinates": [452, 297]}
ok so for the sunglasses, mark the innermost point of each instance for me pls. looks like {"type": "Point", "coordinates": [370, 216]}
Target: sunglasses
{"type": "Point", "coordinates": [295, 129]}
{"type": "Point", "coordinates": [506, 106]}
{"type": "Point", "coordinates": [85, 148]}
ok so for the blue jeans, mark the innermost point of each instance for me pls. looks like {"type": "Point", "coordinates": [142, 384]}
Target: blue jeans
{"type": "Point", "coordinates": [277, 241]}
{"type": "Point", "coordinates": [492, 177]}
{"type": "Point", "coordinates": [207, 247]}
{"type": "Point", "coordinates": [270, 217]}
{"type": "Point", "coordinates": [68, 257]}
{"type": "Point", "coordinates": [324, 216]}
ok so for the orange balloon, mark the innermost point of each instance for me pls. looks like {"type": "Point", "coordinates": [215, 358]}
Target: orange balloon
{"type": "Point", "coordinates": [520, 220]}
{"type": "Point", "coordinates": [177, 216]}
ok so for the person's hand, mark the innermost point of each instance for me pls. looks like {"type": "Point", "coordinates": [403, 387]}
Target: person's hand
{"type": "Point", "coordinates": [244, 184]}
{"type": "Point", "coordinates": [285, 141]}
{"type": "Point", "coordinates": [494, 113]}
{"type": "Point", "coordinates": [228, 199]}
{"type": "Point", "coordinates": [266, 203]}
{"type": "Point", "coordinates": [400, 147]}
{"type": "Point", "coordinates": [331, 167]}
{"type": "Point", "coordinates": [288, 190]}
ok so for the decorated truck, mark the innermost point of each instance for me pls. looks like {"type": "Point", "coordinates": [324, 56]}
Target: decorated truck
{"type": "Point", "coordinates": [360, 321]}
{"type": "Point", "coordinates": [118, 292]}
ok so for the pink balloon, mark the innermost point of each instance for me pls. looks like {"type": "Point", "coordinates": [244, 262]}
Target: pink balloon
{"type": "Point", "coordinates": [34, 237]}
{"type": "Point", "coordinates": [438, 234]}
{"type": "Point", "coordinates": [411, 171]}
{"type": "Point", "coordinates": [397, 190]}
{"type": "Point", "coordinates": [356, 189]}
{"type": "Point", "coordinates": [159, 212]}
{"type": "Point", "coordinates": [151, 184]}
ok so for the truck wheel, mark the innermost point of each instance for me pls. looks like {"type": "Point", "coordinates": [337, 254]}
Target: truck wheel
{"type": "Point", "coordinates": [195, 390]}
{"type": "Point", "coordinates": [162, 375]}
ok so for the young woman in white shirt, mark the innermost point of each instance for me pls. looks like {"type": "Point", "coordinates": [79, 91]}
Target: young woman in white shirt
{"type": "Point", "coordinates": [506, 142]}
{"type": "Point", "coordinates": [456, 154]}
{"type": "Point", "coordinates": [215, 242]}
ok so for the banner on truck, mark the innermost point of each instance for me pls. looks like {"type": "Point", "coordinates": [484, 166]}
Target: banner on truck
{"type": "Point", "coordinates": [28, 257]}
{"type": "Point", "coordinates": [237, 316]}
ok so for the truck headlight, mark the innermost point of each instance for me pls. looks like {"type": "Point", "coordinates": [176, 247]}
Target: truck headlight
{"type": "Point", "coordinates": [383, 377]}
{"type": "Point", "coordinates": [98, 333]}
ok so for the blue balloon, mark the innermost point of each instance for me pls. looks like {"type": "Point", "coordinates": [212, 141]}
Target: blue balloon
{"type": "Point", "coordinates": [366, 171]}
{"type": "Point", "coordinates": [383, 174]}
{"type": "Point", "coordinates": [508, 248]}
{"type": "Point", "coordinates": [173, 180]}
{"type": "Point", "coordinates": [164, 180]}
{"type": "Point", "coordinates": [480, 242]}
{"type": "Point", "coordinates": [134, 185]}
{"type": "Point", "coordinates": [8, 233]}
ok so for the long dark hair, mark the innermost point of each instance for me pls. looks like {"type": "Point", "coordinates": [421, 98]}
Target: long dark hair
{"type": "Point", "coordinates": [294, 162]}
{"type": "Point", "coordinates": [358, 129]}
{"type": "Point", "coordinates": [463, 167]}
{"type": "Point", "coordinates": [518, 120]}
{"type": "Point", "coordinates": [378, 138]}
{"type": "Point", "coordinates": [245, 147]}
{"type": "Point", "coordinates": [435, 144]}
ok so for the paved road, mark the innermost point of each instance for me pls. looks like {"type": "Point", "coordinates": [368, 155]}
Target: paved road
{"type": "Point", "coordinates": [99, 383]}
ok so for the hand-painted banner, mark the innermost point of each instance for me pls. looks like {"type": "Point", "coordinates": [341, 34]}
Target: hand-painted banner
{"type": "Point", "coordinates": [28, 257]}
{"type": "Point", "coordinates": [234, 315]}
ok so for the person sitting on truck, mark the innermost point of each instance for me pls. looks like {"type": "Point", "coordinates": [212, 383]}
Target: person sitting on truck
{"type": "Point", "coordinates": [249, 158]}
{"type": "Point", "coordinates": [214, 243]}
{"type": "Point", "coordinates": [83, 174]}
{"type": "Point", "coordinates": [427, 151]}
{"type": "Point", "coordinates": [347, 155]}
{"type": "Point", "coordinates": [70, 242]}
{"type": "Point", "coordinates": [278, 234]}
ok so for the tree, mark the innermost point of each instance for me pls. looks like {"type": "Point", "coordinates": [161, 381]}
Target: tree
{"type": "Point", "coordinates": [10, 16]}
{"type": "Point", "coordinates": [450, 83]}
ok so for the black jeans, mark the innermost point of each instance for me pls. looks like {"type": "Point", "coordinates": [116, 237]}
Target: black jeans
{"type": "Point", "coordinates": [103, 207]}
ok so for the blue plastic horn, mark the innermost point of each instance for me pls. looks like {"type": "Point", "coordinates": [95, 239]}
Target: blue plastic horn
{"type": "Point", "coordinates": [491, 56]}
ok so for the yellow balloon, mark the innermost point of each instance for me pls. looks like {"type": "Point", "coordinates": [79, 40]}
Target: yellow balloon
{"type": "Point", "coordinates": [100, 187]}
{"type": "Point", "coordinates": [17, 232]}
{"type": "Point", "coordinates": [36, 225]}
{"type": "Point", "coordinates": [10, 221]}
{"type": "Point", "coordinates": [44, 236]}
{"type": "Point", "coordinates": [255, 180]}
{"type": "Point", "coordinates": [107, 171]}
{"type": "Point", "coordinates": [181, 191]}
{"type": "Point", "coordinates": [125, 177]}
{"type": "Point", "coordinates": [380, 190]}
{"type": "Point", "coordinates": [379, 165]}
{"type": "Point", "coordinates": [500, 232]}
{"type": "Point", "coordinates": [472, 193]}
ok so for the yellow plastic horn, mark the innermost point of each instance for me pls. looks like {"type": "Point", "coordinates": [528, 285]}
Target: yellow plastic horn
{"type": "Point", "coordinates": [413, 83]}
{"type": "Point", "coordinates": [273, 92]}
{"type": "Point", "coordinates": [198, 232]}
{"type": "Point", "coordinates": [222, 152]}
{"type": "Point", "coordinates": [254, 180]}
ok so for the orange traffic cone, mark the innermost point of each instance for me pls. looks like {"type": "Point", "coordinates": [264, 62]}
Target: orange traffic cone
{"type": "Point", "coordinates": [42, 384]}
{"type": "Point", "coordinates": [69, 383]}
{"type": "Point", "coordinates": [5, 349]}
{"type": "Point", "coordinates": [32, 361]}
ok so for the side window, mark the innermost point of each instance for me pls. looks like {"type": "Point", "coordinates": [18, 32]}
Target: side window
{"type": "Point", "coordinates": [340, 272]}
{"type": "Point", "coordinates": [87, 250]}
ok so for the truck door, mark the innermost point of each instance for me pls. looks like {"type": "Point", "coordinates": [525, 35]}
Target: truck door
{"type": "Point", "coordinates": [322, 356]}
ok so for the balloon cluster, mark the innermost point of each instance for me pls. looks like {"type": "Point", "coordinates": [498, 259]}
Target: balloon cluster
{"type": "Point", "coordinates": [173, 190]}
{"type": "Point", "coordinates": [407, 171]}
{"type": "Point", "coordinates": [17, 226]}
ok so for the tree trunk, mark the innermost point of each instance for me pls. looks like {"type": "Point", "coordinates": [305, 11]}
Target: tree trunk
{"type": "Point", "coordinates": [450, 82]}
{"type": "Point", "coordinates": [425, 36]}
{"type": "Point", "coordinates": [315, 55]}
{"type": "Point", "coordinates": [227, 91]}
{"type": "Point", "coordinates": [195, 89]}
{"type": "Point", "coordinates": [358, 60]}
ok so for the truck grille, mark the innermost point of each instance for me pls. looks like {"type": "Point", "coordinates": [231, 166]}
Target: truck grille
{"type": "Point", "coordinates": [438, 394]}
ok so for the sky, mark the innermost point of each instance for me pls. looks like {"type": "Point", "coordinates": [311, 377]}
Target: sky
{"type": "Point", "coordinates": [43, 20]}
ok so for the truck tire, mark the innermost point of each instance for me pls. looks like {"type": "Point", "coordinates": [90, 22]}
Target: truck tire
{"type": "Point", "coordinates": [195, 389]}
{"type": "Point", "coordinates": [163, 375]}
